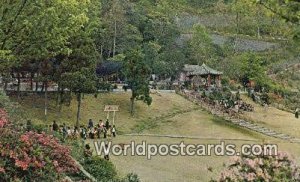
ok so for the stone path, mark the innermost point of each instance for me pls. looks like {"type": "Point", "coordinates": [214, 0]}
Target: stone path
{"type": "Point", "coordinates": [243, 123]}
{"type": "Point", "coordinates": [187, 137]}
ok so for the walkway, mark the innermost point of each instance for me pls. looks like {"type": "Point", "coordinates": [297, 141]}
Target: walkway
{"type": "Point", "coordinates": [238, 120]}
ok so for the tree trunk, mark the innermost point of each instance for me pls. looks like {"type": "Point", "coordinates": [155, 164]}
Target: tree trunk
{"type": "Point", "coordinates": [5, 79]}
{"type": "Point", "coordinates": [43, 86]}
{"type": "Point", "coordinates": [101, 51]}
{"type": "Point", "coordinates": [31, 81]}
{"type": "Point", "coordinates": [58, 96]}
{"type": "Point", "coordinates": [61, 100]}
{"type": "Point", "coordinates": [237, 23]}
{"type": "Point", "coordinates": [78, 109]}
{"type": "Point", "coordinates": [109, 52]}
{"type": "Point", "coordinates": [115, 37]}
{"type": "Point", "coordinates": [19, 85]}
{"type": "Point", "coordinates": [132, 106]}
{"type": "Point", "coordinates": [37, 83]}
{"type": "Point", "coordinates": [46, 99]}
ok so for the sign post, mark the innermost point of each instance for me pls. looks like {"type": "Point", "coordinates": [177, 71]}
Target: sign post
{"type": "Point", "coordinates": [111, 108]}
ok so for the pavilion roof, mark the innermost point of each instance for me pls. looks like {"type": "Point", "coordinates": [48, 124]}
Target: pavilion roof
{"type": "Point", "coordinates": [108, 68]}
{"type": "Point", "coordinates": [200, 70]}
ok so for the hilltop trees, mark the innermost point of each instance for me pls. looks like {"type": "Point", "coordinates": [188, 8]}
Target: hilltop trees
{"type": "Point", "coordinates": [200, 46]}
{"type": "Point", "coordinates": [54, 36]}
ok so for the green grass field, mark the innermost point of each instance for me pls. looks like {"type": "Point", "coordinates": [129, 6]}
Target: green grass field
{"type": "Point", "coordinates": [170, 114]}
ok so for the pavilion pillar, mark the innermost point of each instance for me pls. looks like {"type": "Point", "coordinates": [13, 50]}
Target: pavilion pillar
{"type": "Point", "coordinates": [219, 81]}
{"type": "Point", "coordinates": [209, 80]}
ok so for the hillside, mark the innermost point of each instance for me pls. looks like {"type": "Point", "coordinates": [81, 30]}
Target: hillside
{"type": "Point", "coordinates": [163, 104]}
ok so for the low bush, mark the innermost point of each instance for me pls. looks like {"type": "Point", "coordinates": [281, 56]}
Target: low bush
{"type": "Point", "coordinates": [262, 168]}
{"type": "Point", "coordinates": [100, 168]}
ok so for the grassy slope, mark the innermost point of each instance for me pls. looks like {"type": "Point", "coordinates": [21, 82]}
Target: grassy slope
{"type": "Point", "coordinates": [93, 108]}
{"type": "Point", "coordinates": [193, 123]}
{"type": "Point", "coordinates": [273, 118]}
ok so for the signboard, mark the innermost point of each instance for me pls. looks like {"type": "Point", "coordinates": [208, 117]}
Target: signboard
{"type": "Point", "coordinates": [111, 108]}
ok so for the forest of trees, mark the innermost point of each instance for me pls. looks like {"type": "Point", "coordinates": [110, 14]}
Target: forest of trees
{"type": "Point", "coordinates": [64, 41]}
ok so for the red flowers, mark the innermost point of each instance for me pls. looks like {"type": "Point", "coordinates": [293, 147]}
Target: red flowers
{"type": "Point", "coordinates": [31, 153]}
{"type": "Point", "coordinates": [22, 164]}
{"type": "Point", "coordinates": [59, 154]}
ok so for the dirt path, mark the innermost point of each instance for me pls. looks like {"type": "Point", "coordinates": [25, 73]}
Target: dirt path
{"type": "Point", "coordinates": [274, 119]}
{"type": "Point", "coordinates": [267, 121]}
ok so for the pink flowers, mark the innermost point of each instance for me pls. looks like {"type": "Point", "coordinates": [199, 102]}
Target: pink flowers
{"type": "Point", "coordinates": [251, 163]}
{"type": "Point", "coordinates": [34, 153]}
{"type": "Point", "coordinates": [3, 118]}
{"type": "Point", "coordinates": [25, 138]}
{"type": "Point", "coordinates": [250, 176]}
{"type": "Point", "coordinates": [22, 164]}
{"type": "Point", "coordinates": [261, 168]}
{"type": "Point", "coordinates": [61, 155]}
{"type": "Point", "coordinates": [2, 170]}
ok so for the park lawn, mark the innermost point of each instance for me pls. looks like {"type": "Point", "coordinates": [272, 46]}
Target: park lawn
{"type": "Point", "coordinates": [163, 104]}
{"type": "Point", "coordinates": [184, 119]}
{"type": "Point", "coordinates": [274, 118]}
{"type": "Point", "coordinates": [182, 168]}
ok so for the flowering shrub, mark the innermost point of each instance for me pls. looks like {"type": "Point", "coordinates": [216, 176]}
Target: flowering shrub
{"type": "Point", "coordinates": [262, 168]}
{"type": "Point", "coordinates": [30, 155]}
{"type": "Point", "coordinates": [3, 118]}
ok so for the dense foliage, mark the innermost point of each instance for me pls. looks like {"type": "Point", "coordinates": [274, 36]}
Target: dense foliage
{"type": "Point", "coordinates": [41, 38]}
{"type": "Point", "coordinates": [101, 169]}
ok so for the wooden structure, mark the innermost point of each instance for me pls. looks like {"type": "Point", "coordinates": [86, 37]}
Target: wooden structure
{"type": "Point", "coordinates": [201, 76]}
{"type": "Point", "coordinates": [111, 108]}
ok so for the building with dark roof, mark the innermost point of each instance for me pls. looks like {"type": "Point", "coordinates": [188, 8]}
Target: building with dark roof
{"type": "Point", "coordinates": [201, 75]}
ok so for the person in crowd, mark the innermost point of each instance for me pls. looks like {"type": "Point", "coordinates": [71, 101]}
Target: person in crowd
{"type": "Point", "coordinates": [29, 125]}
{"type": "Point", "coordinates": [95, 132]}
{"type": "Point", "coordinates": [236, 107]}
{"type": "Point", "coordinates": [99, 131]}
{"type": "Point", "coordinates": [253, 97]}
{"type": "Point", "coordinates": [55, 126]}
{"type": "Point", "coordinates": [83, 133]}
{"type": "Point", "coordinates": [91, 133]}
{"type": "Point", "coordinates": [113, 131]}
{"type": "Point", "coordinates": [107, 124]}
{"type": "Point", "coordinates": [90, 124]}
{"type": "Point", "coordinates": [88, 151]}
{"type": "Point", "coordinates": [238, 96]}
{"type": "Point", "coordinates": [104, 132]}
{"type": "Point", "coordinates": [76, 132]}
{"type": "Point", "coordinates": [69, 131]}
{"type": "Point", "coordinates": [106, 154]}
{"type": "Point", "coordinates": [297, 113]}
{"type": "Point", "coordinates": [75, 129]}
{"type": "Point", "coordinates": [101, 123]}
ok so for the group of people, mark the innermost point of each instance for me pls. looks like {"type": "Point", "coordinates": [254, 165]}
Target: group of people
{"type": "Point", "coordinates": [238, 105]}
{"type": "Point", "coordinates": [91, 131]}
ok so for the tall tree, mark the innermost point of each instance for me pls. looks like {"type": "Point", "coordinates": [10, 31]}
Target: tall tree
{"type": "Point", "coordinates": [137, 75]}
{"type": "Point", "coordinates": [79, 68]}
{"type": "Point", "coordinates": [40, 30]}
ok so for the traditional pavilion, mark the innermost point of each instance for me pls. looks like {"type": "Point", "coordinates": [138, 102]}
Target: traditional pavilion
{"type": "Point", "coordinates": [201, 76]}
